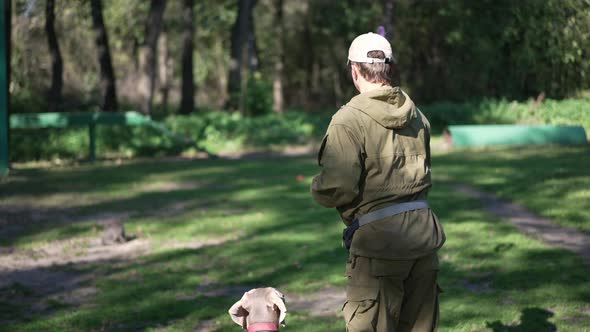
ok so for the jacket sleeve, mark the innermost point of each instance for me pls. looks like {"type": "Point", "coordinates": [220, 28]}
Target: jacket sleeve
{"type": "Point", "coordinates": [426, 139]}
{"type": "Point", "coordinates": [340, 158]}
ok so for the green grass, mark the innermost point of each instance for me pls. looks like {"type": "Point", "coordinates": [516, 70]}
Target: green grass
{"type": "Point", "coordinates": [552, 181]}
{"type": "Point", "coordinates": [494, 278]}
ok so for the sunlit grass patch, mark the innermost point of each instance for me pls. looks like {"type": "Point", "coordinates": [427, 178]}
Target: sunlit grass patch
{"type": "Point", "coordinates": [551, 181]}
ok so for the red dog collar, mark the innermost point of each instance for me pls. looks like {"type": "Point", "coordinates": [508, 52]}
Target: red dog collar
{"type": "Point", "coordinates": [263, 327]}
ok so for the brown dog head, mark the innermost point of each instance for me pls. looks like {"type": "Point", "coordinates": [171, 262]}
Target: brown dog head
{"type": "Point", "coordinates": [259, 305]}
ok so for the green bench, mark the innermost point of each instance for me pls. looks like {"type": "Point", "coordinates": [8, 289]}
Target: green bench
{"type": "Point", "coordinates": [485, 135]}
{"type": "Point", "coordinates": [63, 120]}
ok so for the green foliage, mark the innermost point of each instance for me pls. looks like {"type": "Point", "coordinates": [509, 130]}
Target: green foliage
{"type": "Point", "coordinates": [216, 131]}
{"type": "Point", "coordinates": [564, 112]}
{"type": "Point", "coordinates": [258, 95]}
{"type": "Point", "coordinates": [458, 50]}
{"type": "Point", "coordinates": [446, 50]}
{"type": "Point", "coordinates": [26, 101]}
{"type": "Point", "coordinates": [231, 132]}
{"type": "Point", "coordinates": [48, 144]}
{"type": "Point", "coordinates": [489, 111]}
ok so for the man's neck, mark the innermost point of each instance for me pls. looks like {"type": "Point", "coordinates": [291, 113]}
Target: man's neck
{"type": "Point", "coordinates": [368, 86]}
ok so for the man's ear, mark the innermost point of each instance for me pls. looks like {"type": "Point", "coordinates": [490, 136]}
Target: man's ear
{"type": "Point", "coordinates": [355, 77]}
{"type": "Point", "coordinates": [354, 72]}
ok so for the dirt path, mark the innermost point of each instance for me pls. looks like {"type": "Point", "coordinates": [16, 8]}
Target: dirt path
{"type": "Point", "coordinates": [41, 278]}
{"type": "Point", "coordinates": [60, 273]}
{"type": "Point", "coordinates": [530, 223]}
{"type": "Point", "coordinates": [325, 302]}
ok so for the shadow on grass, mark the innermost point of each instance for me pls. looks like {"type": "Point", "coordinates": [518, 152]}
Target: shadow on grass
{"type": "Point", "coordinates": [219, 185]}
{"type": "Point", "coordinates": [531, 320]}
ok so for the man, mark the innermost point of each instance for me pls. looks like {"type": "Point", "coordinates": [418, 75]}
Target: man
{"type": "Point", "coordinates": [375, 161]}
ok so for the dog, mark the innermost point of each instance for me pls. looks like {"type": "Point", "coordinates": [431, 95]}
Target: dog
{"type": "Point", "coordinates": [260, 309]}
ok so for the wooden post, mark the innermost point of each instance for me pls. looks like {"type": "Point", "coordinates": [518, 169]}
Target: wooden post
{"type": "Point", "coordinates": [4, 82]}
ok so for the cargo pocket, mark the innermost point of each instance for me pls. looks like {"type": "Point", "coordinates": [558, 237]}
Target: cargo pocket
{"type": "Point", "coordinates": [361, 308]}
{"type": "Point", "coordinates": [362, 290]}
{"type": "Point", "coordinates": [356, 312]}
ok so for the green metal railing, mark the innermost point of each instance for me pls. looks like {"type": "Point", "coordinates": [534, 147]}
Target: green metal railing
{"type": "Point", "coordinates": [4, 79]}
{"type": "Point", "coordinates": [63, 120]}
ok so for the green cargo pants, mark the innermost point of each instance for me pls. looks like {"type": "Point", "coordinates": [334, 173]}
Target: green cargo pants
{"type": "Point", "coordinates": [391, 295]}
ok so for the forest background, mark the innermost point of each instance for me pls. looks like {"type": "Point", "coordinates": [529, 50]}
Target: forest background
{"type": "Point", "coordinates": [243, 73]}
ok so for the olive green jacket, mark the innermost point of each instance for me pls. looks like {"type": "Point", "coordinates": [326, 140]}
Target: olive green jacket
{"type": "Point", "coordinates": [376, 153]}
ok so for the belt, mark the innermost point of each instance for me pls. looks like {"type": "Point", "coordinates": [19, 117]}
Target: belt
{"type": "Point", "coordinates": [370, 217]}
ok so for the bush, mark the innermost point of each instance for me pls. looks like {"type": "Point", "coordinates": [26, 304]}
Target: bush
{"type": "Point", "coordinates": [218, 131]}
{"type": "Point", "coordinates": [258, 95]}
{"type": "Point", "coordinates": [569, 111]}
{"type": "Point", "coordinates": [214, 131]}
{"type": "Point", "coordinates": [48, 144]}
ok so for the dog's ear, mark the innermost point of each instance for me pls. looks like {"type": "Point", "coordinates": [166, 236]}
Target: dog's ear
{"type": "Point", "coordinates": [277, 300]}
{"type": "Point", "coordinates": [238, 314]}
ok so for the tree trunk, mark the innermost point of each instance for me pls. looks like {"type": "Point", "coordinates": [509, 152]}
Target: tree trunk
{"type": "Point", "coordinates": [136, 55]}
{"type": "Point", "coordinates": [252, 45]}
{"type": "Point", "coordinates": [165, 67]}
{"type": "Point", "coordinates": [147, 81]}
{"type": "Point", "coordinates": [388, 19]}
{"type": "Point", "coordinates": [389, 25]}
{"type": "Point", "coordinates": [107, 75]}
{"type": "Point", "coordinates": [187, 104]}
{"type": "Point", "coordinates": [277, 93]}
{"type": "Point", "coordinates": [308, 60]}
{"type": "Point", "coordinates": [239, 37]}
{"type": "Point", "coordinates": [221, 71]}
{"type": "Point", "coordinates": [54, 93]}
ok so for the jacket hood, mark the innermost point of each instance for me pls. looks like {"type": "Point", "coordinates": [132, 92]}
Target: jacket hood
{"type": "Point", "coordinates": [389, 106]}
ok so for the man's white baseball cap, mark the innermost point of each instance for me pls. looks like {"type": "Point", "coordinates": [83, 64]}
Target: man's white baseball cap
{"type": "Point", "coordinates": [365, 43]}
